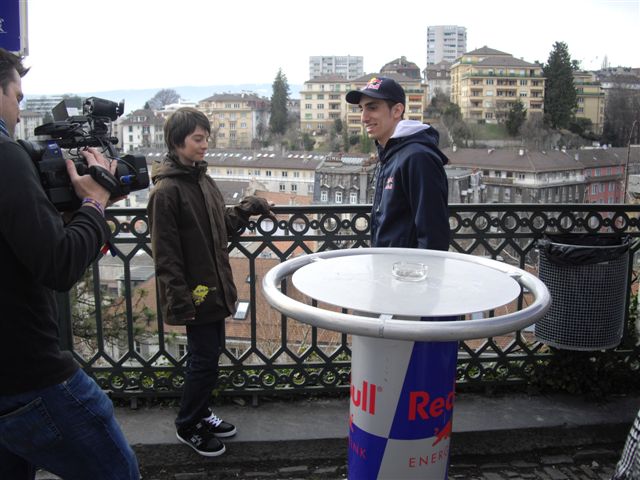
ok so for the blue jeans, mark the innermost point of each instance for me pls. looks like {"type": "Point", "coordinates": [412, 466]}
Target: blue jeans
{"type": "Point", "coordinates": [204, 345]}
{"type": "Point", "coordinates": [68, 429]}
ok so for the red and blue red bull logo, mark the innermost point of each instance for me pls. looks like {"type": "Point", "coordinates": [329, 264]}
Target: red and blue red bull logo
{"type": "Point", "coordinates": [402, 398]}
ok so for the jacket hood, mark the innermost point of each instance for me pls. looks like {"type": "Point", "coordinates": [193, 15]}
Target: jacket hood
{"type": "Point", "coordinates": [413, 131]}
{"type": "Point", "coordinates": [170, 166]}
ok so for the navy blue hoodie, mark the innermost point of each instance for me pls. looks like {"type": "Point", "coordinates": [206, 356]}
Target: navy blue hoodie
{"type": "Point", "coordinates": [410, 207]}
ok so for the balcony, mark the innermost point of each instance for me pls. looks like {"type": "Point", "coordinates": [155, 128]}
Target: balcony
{"type": "Point", "coordinates": [111, 323]}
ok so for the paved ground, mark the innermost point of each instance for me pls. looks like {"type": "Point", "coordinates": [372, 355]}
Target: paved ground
{"type": "Point", "coordinates": [513, 437]}
{"type": "Point", "coordinates": [574, 464]}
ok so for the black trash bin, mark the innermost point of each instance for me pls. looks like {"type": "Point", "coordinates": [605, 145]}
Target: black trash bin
{"type": "Point", "coordinates": [587, 278]}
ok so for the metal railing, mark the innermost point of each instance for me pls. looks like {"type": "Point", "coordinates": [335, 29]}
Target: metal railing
{"type": "Point", "coordinates": [112, 324]}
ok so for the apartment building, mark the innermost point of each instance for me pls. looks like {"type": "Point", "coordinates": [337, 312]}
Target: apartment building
{"type": "Point", "coordinates": [322, 102]}
{"type": "Point", "coordinates": [141, 129]}
{"type": "Point", "coordinates": [29, 120]}
{"type": "Point", "coordinates": [438, 78]}
{"type": "Point", "coordinates": [285, 172]}
{"type": "Point", "coordinates": [345, 179]}
{"type": "Point", "coordinates": [401, 66]}
{"type": "Point", "coordinates": [347, 66]}
{"type": "Point", "coordinates": [238, 120]}
{"type": "Point", "coordinates": [523, 176]}
{"type": "Point", "coordinates": [416, 96]}
{"type": "Point", "coordinates": [486, 83]}
{"type": "Point", "coordinates": [590, 99]}
{"type": "Point", "coordinates": [43, 104]}
{"type": "Point", "coordinates": [445, 42]}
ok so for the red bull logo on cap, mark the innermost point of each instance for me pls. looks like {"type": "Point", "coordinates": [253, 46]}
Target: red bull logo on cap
{"type": "Point", "coordinates": [374, 84]}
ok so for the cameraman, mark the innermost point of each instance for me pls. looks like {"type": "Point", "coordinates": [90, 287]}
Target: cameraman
{"type": "Point", "coordinates": [52, 415]}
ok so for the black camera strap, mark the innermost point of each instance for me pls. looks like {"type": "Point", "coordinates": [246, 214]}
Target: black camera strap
{"type": "Point", "coordinates": [103, 177]}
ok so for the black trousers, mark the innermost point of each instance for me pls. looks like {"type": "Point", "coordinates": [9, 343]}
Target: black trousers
{"type": "Point", "coordinates": [204, 345]}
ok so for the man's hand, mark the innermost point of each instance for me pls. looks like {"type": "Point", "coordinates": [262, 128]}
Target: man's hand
{"type": "Point", "coordinates": [84, 185]}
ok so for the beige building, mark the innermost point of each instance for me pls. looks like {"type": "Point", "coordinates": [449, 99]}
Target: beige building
{"type": "Point", "coordinates": [485, 83]}
{"type": "Point", "coordinates": [322, 102]}
{"type": "Point", "coordinates": [237, 119]}
{"type": "Point", "coordinates": [590, 99]}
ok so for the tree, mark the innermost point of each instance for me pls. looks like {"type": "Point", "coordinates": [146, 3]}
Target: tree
{"type": "Point", "coordinates": [279, 100]}
{"type": "Point", "coordinates": [621, 110]}
{"type": "Point", "coordinates": [560, 98]}
{"type": "Point", "coordinates": [515, 118]}
{"type": "Point", "coordinates": [163, 97]}
{"type": "Point", "coordinates": [308, 142]}
{"type": "Point", "coordinates": [366, 144]}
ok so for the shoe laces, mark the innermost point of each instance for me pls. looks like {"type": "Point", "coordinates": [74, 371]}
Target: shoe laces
{"type": "Point", "coordinates": [213, 420]}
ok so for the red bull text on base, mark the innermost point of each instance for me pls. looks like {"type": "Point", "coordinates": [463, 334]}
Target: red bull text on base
{"type": "Point", "coordinates": [402, 396]}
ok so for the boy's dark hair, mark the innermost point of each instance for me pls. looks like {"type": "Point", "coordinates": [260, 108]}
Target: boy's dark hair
{"type": "Point", "coordinates": [391, 104]}
{"type": "Point", "coordinates": [182, 123]}
{"type": "Point", "coordinates": [8, 63]}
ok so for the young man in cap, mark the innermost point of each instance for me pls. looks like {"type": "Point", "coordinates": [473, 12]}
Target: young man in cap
{"type": "Point", "coordinates": [410, 203]}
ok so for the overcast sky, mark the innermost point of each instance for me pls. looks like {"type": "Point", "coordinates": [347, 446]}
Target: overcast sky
{"type": "Point", "coordinates": [97, 45]}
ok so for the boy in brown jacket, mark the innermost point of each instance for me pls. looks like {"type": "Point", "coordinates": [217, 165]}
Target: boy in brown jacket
{"type": "Point", "coordinates": [190, 226]}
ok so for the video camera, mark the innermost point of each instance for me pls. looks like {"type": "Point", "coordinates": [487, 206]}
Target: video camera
{"type": "Point", "coordinates": [73, 133]}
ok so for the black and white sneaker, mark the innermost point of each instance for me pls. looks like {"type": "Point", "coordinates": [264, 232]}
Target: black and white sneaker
{"type": "Point", "coordinates": [201, 439]}
{"type": "Point", "coordinates": [219, 427]}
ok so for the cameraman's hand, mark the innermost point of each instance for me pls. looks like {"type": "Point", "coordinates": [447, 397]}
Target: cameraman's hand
{"type": "Point", "coordinates": [84, 185]}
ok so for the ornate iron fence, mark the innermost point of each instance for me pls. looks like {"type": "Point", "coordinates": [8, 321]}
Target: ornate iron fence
{"type": "Point", "coordinates": [112, 324]}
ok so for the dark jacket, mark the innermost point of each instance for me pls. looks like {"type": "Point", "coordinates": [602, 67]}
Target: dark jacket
{"type": "Point", "coordinates": [410, 207]}
{"type": "Point", "coordinates": [38, 254]}
{"type": "Point", "coordinates": [189, 233]}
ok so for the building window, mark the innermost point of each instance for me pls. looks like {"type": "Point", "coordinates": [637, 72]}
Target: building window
{"type": "Point", "coordinates": [182, 350]}
{"type": "Point", "coordinates": [294, 187]}
{"type": "Point", "coordinates": [296, 174]}
{"type": "Point", "coordinates": [241, 310]}
{"type": "Point", "coordinates": [283, 187]}
{"type": "Point", "coordinates": [324, 196]}
{"type": "Point", "coordinates": [243, 125]}
{"type": "Point", "coordinates": [268, 173]}
{"type": "Point", "coordinates": [353, 197]}
{"type": "Point", "coordinates": [338, 197]}
{"type": "Point", "coordinates": [308, 106]}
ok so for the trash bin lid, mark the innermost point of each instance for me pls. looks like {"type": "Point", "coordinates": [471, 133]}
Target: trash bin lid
{"type": "Point", "coordinates": [366, 283]}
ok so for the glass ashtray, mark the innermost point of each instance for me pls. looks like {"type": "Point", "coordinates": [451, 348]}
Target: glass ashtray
{"type": "Point", "coordinates": [409, 272]}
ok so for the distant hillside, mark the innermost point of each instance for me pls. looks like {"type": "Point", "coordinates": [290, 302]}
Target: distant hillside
{"type": "Point", "coordinates": [135, 99]}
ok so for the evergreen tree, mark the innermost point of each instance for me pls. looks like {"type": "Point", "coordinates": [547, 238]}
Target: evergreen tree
{"type": "Point", "coordinates": [279, 101]}
{"type": "Point", "coordinates": [515, 118]}
{"type": "Point", "coordinates": [560, 99]}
